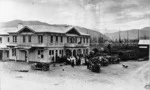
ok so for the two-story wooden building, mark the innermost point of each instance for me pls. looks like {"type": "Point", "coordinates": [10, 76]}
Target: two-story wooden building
{"type": "Point", "coordinates": [42, 43]}
{"type": "Point", "coordinates": [4, 40]}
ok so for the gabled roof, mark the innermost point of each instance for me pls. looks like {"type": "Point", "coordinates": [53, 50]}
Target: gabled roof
{"type": "Point", "coordinates": [50, 28]}
{"type": "Point", "coordinates": [53, 29]}
{"type": "Point", "coordinates": [144, 42]}
{"type": "Point", "coordinates": [74, 31]}
{"type": "Point", "coordinates": [26, 28]}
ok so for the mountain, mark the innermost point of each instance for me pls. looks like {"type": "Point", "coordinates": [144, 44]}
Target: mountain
{"type": "Point", "coordinates": [14, 23]}
{"type": "Point", "coordinates": [132, 34]}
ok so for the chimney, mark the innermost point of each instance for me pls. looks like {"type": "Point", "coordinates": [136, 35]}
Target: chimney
{"type": "Point", "coordinates": [20, 25]}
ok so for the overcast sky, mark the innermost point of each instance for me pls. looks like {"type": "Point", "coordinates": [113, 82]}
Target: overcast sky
{"type": "Point", "coordinates": [102, 15]}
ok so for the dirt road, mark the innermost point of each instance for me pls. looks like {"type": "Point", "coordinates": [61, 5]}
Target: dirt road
{"type": "Point", "coordinates": [112, 77]}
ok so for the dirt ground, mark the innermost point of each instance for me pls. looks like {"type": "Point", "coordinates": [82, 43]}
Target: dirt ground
{"type": "Point", "coordinates": [112, 77]}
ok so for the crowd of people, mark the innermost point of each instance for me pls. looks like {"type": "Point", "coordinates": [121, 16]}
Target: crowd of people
{"type": "Point", "coordinates": [70, 60]}
{"type": "Point", "coordinates": [76, 60]}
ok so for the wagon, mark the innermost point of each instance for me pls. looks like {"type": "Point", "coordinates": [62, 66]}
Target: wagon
{"type": "Point", "coordinates": [113, 59]}
{"type": "Point", "coordinates": [44, 66]}
{"type": "Point", "coordinates": [94, 65]}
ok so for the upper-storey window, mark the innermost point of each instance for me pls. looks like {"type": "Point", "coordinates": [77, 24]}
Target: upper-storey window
{"type": "Point", "coordinates": [67, 39]}
{"type": "Point", "coordinates": [71, 39]}
{"type": "Point", "coordinates": [87, 41]}
{"type": "Point", "coordinates": [56, 39]}
{"type": "Point", "coordinates": [83, 40]}
{"type": "Point", "coordinates": [0, 39]}
{"type": "Point", "coordinates": [29, 38]}
{"type": "Point", "coordinates": [40, 39]}
{"type": "Point", "coordinates": [61, 39]}
{"type": "Point", "coordinates": [51, 39]}
{"type": "Point", "coordinates": [24, 38]}
{"type": "Point", "coordinates": [75, 39]}
{"type": "Point", "coordinates": [14, 38]}
{"type": "Point", "coordinates": [80, 39]}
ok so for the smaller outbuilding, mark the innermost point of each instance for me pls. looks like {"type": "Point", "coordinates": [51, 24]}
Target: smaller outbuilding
{"type": "Point", "coordinates": [143, 46]}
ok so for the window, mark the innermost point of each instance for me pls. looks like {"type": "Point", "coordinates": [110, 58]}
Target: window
{"type": "Point", "coordinates": [87, 51]}
{"type": "Point", "coordinates": [29, 38]}
{"type": "Point", "coordinates": [50, 52]}
{"type": "Point", "coordinates": [0, 39]}
{"type": "Point", "coordinates": [24, 39]}
{"type": "Point", "coordinates": [62, 53]}
{"type": "Point", "coordinates": [75, 39]}
{"type": "Point", "coordinates": [83, 40]}
{"type": "Point", "coordinates": [87, 41]}
{"type": "Point", "coordinates": [51, 39]}
{"type": "Point", "coordinates": [61, 39]}
{"type": "Point", "coordinates": [71, 39]}
{"type": "Point", "coordinates": [67, 39]}
{"type": "Point", "coordinates": [7, 53]}
{"type": "Point", "coordinates": [40, 39]}
{"type": "Point", "coordinates": [14, 38]}
{"type": "Point", "coordinates": [56, 39]}
{"type": "Point", "coordinates": [41, 53]}
{"type": "Point", "coordinates": [84, 51]}
{"type": "Point", "coordinates": [13, 52]}
{"type": "Point", "coordinates": [8, 39]}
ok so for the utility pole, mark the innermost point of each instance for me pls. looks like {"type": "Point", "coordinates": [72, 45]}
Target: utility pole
{"type": "Point", "coordinates": [147, 86]}
{"type": "Point", "coordinates": [119, 37]}
{"type": "Point", "coordinates": [127, 37]}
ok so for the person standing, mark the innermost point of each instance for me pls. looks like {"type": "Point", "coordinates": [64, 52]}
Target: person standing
{"type": "Point", "coordinates": [72, 63]}
{"type": "Point", "coordinates": [53, 61]}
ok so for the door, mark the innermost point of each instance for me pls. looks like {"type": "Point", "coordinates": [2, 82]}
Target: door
{"type": "Point", "coordinates": [7, 54]}
{"type": "Point", "coordinates": [56, 56]}
{"type": "Point", "coordinates": [1, 54]}
{"type": "Point", "coordinates": [25, 56]}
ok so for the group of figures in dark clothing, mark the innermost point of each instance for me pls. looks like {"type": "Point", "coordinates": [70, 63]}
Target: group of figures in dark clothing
{"type": "Point", "coordinates": [76, 60]}
{"type": "Point", "coordinates": [72, 60]}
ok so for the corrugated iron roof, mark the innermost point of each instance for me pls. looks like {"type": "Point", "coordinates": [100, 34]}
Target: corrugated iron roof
{"type": "Point", "coordinates": [51, 28]}
{"type": "Point", "coordinates": [144, 42]}
{"type": "Point", "coordinates": [6, 30]}
{"type": "Point", "coordinates": [44, 28]}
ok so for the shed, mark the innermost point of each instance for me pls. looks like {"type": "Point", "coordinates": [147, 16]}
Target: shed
{"type": "Point", "coordinates": [143, 46]}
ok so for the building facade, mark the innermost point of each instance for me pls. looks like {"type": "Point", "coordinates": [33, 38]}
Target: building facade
{"type": "Point", "coordinates": [45, 43]}
{"type": "Point", "coordinates": [4, 51]}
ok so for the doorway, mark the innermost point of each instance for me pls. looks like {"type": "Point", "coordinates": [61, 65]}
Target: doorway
{"type": "Point", "coordinates": [1, 54]}
{"type": "Point", "coordinates": [25, 56]}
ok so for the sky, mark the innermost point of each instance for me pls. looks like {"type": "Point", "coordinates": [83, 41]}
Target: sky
{"type": "Point", "coordinates": [101, 15]}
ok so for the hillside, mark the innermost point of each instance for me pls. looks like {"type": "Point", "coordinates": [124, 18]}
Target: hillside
{"type": "Point", "coordinates": [132, 34]}
{"type": "Point", "coordinates": [14, 23]}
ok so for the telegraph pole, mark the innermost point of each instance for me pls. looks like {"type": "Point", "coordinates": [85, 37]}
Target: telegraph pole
{"type": "Point", "coordinates": [127, 38]}
{"type": "Point", "coordinates": [119, 37]}
{"type": "Point", "coordinates": [147, 86]}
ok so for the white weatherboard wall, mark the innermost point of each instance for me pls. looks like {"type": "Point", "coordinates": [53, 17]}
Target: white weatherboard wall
{"type": "Point", "coordinates": [4, 41]}
{"type": "Point", "coordinates": [21, 55]}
